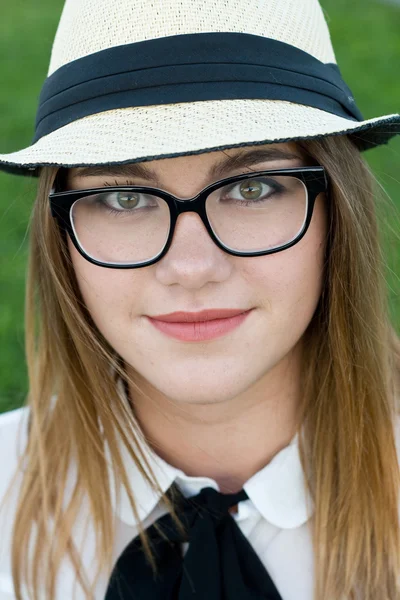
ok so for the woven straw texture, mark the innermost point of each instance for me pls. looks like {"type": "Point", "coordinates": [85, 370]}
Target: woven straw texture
{"type": "Point", "coordinates": [146, 132]}
{"type": "Point", "coordinates": [300, 23]}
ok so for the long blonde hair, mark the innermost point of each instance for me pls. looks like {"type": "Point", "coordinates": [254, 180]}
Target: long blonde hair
{"type": "Point", "coordinates": [351, 382]}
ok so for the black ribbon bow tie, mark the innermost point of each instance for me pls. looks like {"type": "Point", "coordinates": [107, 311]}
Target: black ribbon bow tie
{"type": "Point", "coordinates": [220, 563]}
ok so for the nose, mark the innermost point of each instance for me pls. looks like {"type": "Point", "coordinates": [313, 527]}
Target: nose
{"type": "Point", "coordinates": [193, 259]}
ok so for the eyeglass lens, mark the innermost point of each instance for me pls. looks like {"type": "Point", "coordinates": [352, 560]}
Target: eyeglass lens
{"type": "Point", "coordinates": [251, 215]}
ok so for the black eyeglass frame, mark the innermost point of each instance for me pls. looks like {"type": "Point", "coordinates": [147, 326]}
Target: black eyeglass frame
{"type": "Point", "coordinates": [314, 179]}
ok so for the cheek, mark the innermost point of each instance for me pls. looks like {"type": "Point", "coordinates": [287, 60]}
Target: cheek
{"type": "Point", "coordinates": [289, 283]}
{"type": "Point", "coordinates": [107, 293]}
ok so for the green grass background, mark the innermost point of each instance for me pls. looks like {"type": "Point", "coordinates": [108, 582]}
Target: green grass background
{"type": "Point", "coordinates": [366, 37]}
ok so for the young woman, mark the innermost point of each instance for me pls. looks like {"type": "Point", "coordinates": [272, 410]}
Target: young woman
{"type": "Point", "coordinates": [214, 379]}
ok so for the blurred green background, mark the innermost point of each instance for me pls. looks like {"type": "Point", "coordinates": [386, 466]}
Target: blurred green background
{"type": "Point", "coordinates": [366, 37]}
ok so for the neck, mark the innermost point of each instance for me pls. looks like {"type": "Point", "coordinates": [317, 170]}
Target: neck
{"type": "Point", "coordinates": [227, 441]}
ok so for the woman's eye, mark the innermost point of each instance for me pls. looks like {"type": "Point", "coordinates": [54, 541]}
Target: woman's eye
{"type": "Point", "coordinates": [127, 200]}
{"type": "Point", "coordinates": [251, 190]}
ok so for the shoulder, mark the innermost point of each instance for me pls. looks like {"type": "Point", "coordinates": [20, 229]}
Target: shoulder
{"type": "Point", "coordinates": [396, 429]}
{"type": "Point", "coordinates": [13, 438]}
{"type": "Point", "coordinates": [12, 421]}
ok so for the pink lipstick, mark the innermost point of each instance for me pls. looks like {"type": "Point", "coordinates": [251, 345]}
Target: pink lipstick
{"type": "Point", "coordinates": [201, 326]}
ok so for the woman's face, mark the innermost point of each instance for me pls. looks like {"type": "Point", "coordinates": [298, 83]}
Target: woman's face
{"type": "Point", "coordinates": [282, 290]}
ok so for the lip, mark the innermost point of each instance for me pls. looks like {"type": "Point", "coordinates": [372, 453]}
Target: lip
{"type": "Point", "coordinates": [203, 315]}
{"type": "Point", "coordinates": [201, 326]}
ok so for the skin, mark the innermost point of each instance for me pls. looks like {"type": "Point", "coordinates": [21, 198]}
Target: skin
{"type": "Point", "coordinates": [222, 408]}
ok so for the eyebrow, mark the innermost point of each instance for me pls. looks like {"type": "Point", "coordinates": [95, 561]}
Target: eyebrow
{"type": "Point", "coordinates": [218, 170]}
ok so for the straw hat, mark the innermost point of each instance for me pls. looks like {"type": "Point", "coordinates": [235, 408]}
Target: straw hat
{"type": "Point", "coordinates": [135, 80]}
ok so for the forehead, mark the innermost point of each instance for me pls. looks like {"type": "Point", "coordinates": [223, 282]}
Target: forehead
{"type": "Point", "coordinates": [217, 164]}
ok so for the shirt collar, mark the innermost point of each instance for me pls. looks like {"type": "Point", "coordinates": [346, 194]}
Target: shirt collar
{"type": "Point", "coordinates": [278, 490]}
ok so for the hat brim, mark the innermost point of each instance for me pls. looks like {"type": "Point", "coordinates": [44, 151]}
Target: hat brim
{"type": "Point", "coordinates": [164, 131]}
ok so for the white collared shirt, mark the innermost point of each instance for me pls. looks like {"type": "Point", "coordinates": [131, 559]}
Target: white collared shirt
{"type": "Point", "coordinates": [275, 518]}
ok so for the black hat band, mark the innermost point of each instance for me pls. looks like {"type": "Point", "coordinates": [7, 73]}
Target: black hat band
{"type": "Point", "coordinates": [191, 68]}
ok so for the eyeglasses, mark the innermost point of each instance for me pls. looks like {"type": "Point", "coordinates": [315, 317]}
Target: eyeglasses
{"type": "Point", "coordinates": [253, 214]}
